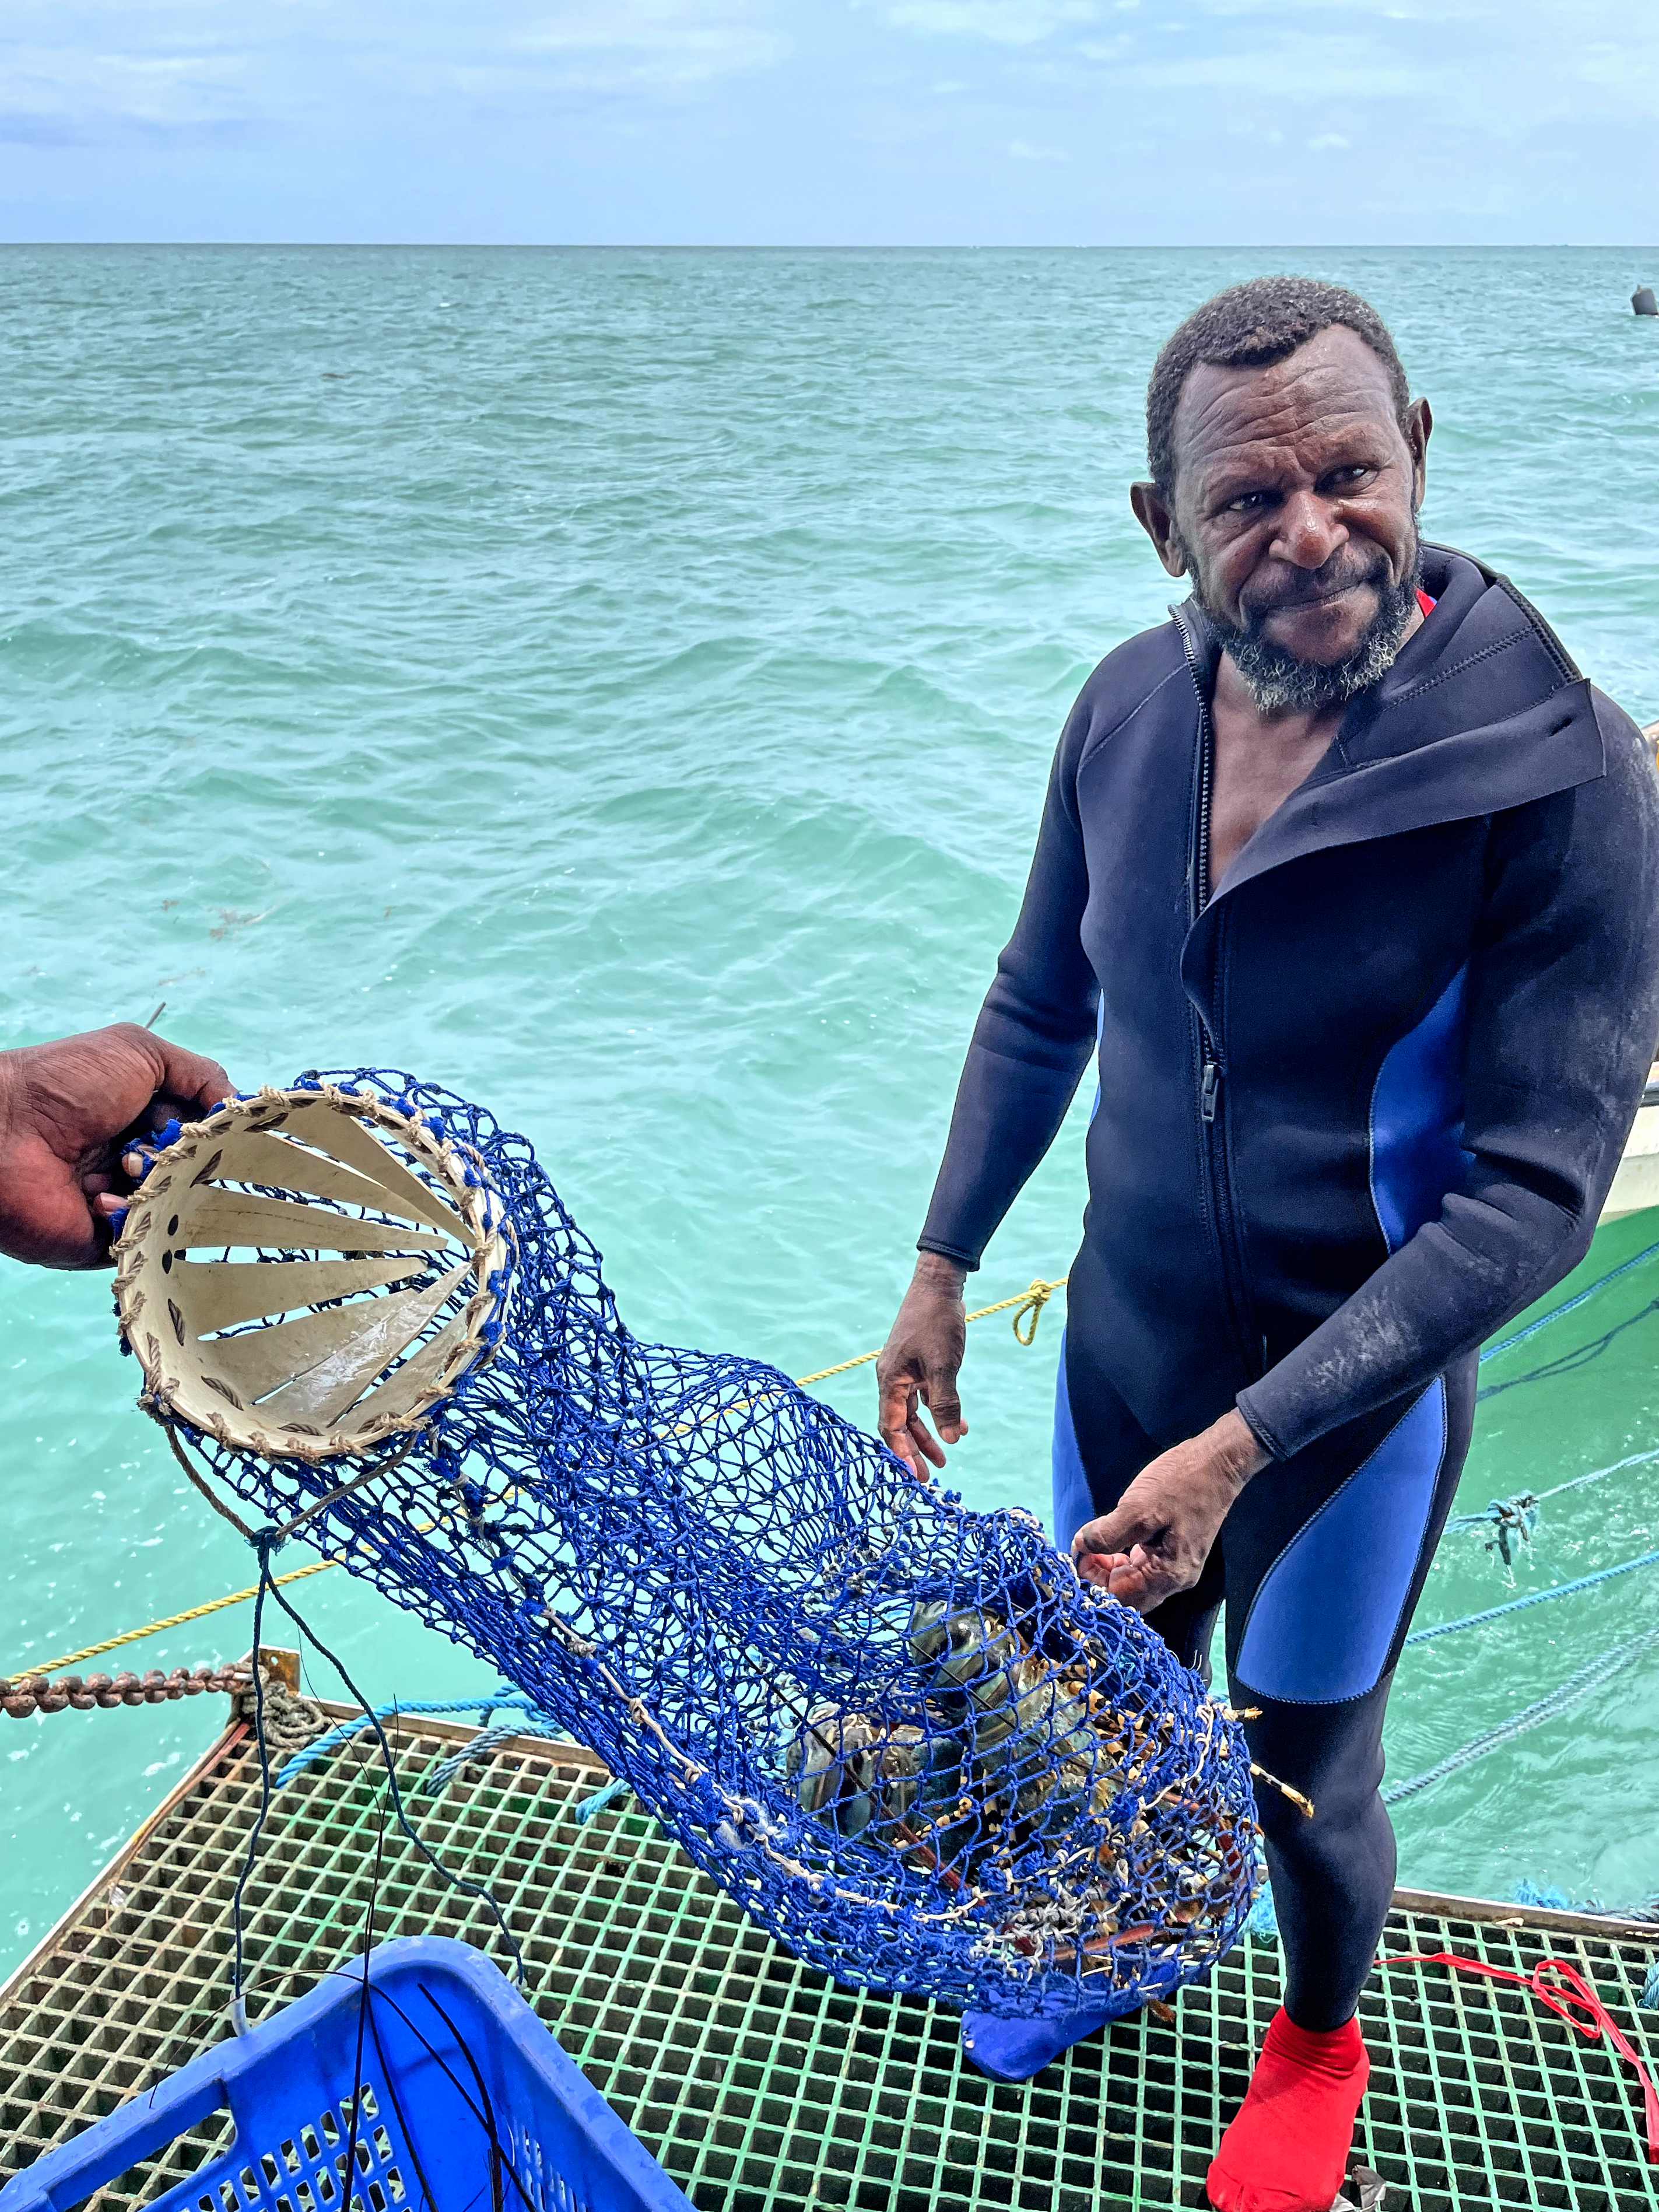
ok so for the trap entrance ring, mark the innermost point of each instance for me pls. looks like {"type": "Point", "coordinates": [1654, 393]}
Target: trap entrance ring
{"type": "Point", "coordinates": [308, 1273]}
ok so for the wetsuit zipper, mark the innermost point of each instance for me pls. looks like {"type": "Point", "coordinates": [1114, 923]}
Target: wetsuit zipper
{"type": "Point", "coordinates": [1212, 1070]}
{"type": "Point", "coordinates": [1209, 1083]}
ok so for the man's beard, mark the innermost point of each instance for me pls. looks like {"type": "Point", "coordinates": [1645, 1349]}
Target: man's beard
{"type": "Point", "coordinates": [1277, 681]}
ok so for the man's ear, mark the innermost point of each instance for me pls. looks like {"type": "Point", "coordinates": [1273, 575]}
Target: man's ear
{"type": "Point", "coordinates": [1154, 517]}
{"type": "Point", "coordinates": [1417, 426]}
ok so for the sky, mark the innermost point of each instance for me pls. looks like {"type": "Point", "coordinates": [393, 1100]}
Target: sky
{"type": "Point", "coordinates": [832, 122]}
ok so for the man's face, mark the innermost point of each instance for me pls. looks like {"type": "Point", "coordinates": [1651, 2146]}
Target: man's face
{"type": "Point", "coordinates": [1295, 514]}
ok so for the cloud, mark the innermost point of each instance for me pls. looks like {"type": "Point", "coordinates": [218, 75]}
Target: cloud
{"type": "Point", "coordinates": [660, 42]}
{"type": "Point", "coordinates": [1286, 71]}
{"type": "Point", "coordinates": [1507, 65]}
{"type": "Point", "coordinates": [1005, 23]}
{"type": "Point", "coordinates": [57, 91]}
{"type": "Point", "coordinates": [857, 118]}
{"type": "Point", "coordinates": [95, 69]}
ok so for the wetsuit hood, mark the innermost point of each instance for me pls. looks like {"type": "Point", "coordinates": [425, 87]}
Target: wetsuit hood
{"type": "Point", "coordinates": [1483, 710]}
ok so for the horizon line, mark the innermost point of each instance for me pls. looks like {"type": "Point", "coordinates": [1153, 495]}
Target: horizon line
{"type": "Point", "coordinates": [744, 245]}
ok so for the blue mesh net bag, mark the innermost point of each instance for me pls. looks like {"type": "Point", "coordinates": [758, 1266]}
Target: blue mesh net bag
{"type": "Point", "coordinates": [902, 1735]}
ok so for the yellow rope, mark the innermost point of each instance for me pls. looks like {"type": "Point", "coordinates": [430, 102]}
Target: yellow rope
{"type": "Point", "coordinates": [1032, 1301]}
{"type": "Point", "coordinates": [1030, 1304]}
{"type": "Point", "coordinates": [173, 1620]}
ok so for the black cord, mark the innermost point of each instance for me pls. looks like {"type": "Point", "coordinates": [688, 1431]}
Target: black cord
{"type": "Point", "coordinates": [455, 1881]}
{"type": "Point", "coordinates": [263, 1544]}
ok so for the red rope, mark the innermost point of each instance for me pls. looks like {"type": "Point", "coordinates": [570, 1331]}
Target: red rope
{"type": "Point", "coordinates": [1577, 1997]}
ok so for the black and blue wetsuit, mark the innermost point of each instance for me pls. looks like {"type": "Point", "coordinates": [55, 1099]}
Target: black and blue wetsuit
{"type": "Point", "coordinates": [1356, 1108]}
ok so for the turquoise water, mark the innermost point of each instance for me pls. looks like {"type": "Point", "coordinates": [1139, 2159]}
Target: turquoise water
{"type": "Point", "coordinates": [620, 685]}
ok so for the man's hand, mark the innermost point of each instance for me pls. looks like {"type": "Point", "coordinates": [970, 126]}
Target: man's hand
{"type": "Point", "coordinates": [918, 1363]}
{"type": "Point", "coordinates": [63, 1107]}
{"type": "Point", "coordinates": [1156, 1538]}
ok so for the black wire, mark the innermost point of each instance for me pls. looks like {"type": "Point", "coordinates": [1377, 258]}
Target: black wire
{"type": "Point", "coordinates": [485, 2117]}
{"type": "Point", "coordinates": [362, 2019]}
{"type": "Point", "coordinates": [262, 1545]}
{"type": "Point", "coordinates": [399, 2114]}
{"type": "Point", "coordinates": [455, 1881]}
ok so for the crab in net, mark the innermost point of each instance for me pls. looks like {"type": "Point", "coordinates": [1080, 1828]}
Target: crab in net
{"type": "Point", "coordinates": [901, 1734]}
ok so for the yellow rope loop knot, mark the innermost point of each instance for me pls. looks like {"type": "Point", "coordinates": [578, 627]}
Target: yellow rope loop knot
{"type": "Point", "coordinates": [1030, 1310]}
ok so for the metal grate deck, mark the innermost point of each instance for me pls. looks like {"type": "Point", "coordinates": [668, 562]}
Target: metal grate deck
{"type": "Point", "coordinates": [758, 2083]}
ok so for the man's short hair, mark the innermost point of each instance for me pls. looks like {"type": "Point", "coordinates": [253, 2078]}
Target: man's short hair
{"type": "Point", "coordinates": [1250, 326]}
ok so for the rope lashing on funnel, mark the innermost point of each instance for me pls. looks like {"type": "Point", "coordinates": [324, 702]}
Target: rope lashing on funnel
{"type": "Point", "coordinates": [903, 1736]}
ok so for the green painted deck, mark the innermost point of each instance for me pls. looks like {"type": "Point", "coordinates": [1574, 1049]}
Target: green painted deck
{"type": "Point", "coordinates": [758, 2083]}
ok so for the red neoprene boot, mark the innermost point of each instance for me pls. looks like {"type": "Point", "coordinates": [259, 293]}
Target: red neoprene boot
{"type": "Point", "coordinates": [1287, 2150]}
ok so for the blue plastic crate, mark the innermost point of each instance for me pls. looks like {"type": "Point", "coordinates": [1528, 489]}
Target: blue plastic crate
{"type": "Point", "coordinates": [468, 2106]}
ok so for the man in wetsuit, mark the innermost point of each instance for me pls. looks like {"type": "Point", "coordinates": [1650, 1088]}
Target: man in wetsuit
{"type": "Point", "coordinates": [1356, 882]}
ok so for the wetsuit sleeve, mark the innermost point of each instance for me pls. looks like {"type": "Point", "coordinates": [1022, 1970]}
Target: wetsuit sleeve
{"type": "Point", "coordinates": [1563, 1014]}
{"type": "Point", "coordinates": [1033, 1037]}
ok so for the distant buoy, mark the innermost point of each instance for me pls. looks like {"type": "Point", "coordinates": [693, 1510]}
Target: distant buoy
{"type": "Point", "coordinates": [1644, 301]}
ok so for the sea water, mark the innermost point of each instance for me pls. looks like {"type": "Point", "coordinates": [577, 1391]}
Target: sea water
{"type": "Point", "coordinates": [620, 685]}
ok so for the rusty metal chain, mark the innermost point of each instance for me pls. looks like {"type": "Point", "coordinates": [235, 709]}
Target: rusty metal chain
{"type": "Point", "coordinates": [29, 1694]}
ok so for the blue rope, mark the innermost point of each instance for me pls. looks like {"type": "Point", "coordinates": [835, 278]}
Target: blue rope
{"type": "Point", "coordinates": [1596, 1474]}
{"type": "Point", "coordinates": [491, 1735]}
{"type": "Point", "coordinates": [1262, 1926]}
{"type": "Point", "coordinates": [600, 1799]}
{"type": "Point", "coordinates": [1570, 1363]}
{"type": "Point", "coordinates": [1531, 1717]}
{"type": "Point", "coordinates": [320, 1747]}
{"type": "Point", "coordinates": [1552, 1899]}
{"type": "Point", "coordinates": [1533, 1597]}
{"type": "Point", "coordinates": [1571, 1306]}
{"type": "Point", "coordinates": [480, 1747]}
{"type": "Point", "coordinates": [1517, 1516]}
